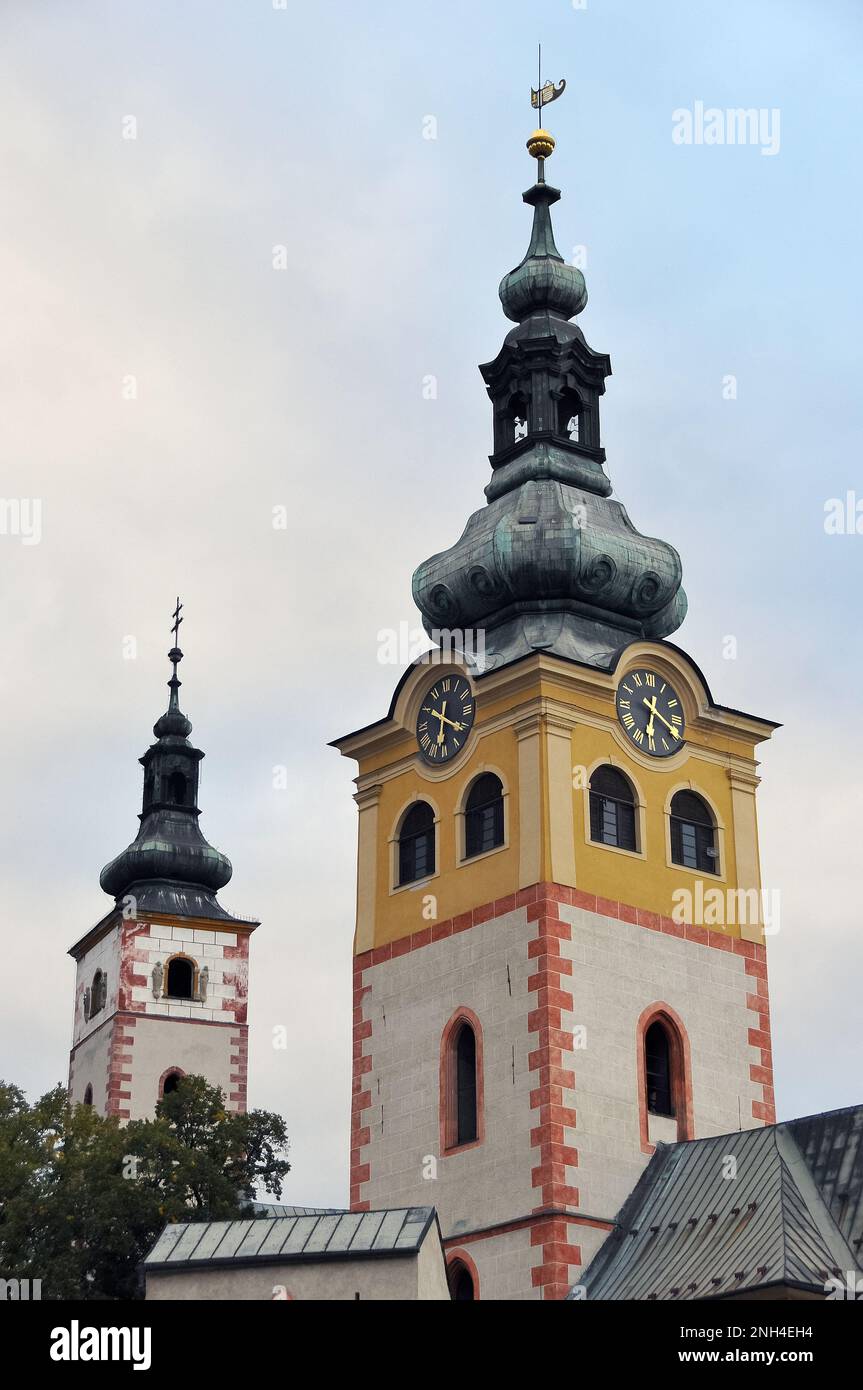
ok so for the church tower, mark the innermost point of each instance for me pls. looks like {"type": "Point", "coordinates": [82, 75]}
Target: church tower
{"type": "Point", "coordinates": [162, 980]}
{"type": "Point", "coordinates": [559, 957]}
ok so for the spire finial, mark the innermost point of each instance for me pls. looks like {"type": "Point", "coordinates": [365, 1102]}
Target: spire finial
{"type": "Point", "coordinates": [541, 143]}
{"type": "Point", "coordinates": [177, 620]}
{"type": "Point", "coordinates": [175, 656]}
{"type": "Point", "coordinates": [173, 722]}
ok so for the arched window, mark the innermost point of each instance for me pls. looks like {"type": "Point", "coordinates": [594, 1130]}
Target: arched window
{"type": "Point", "coordinates": [416, 843]}
{"type": "Point", "coordinates": [171, 1082]}
{"type": "Point", "coordinates": [98, 993]}
{"type": "Point", "coordinates": [177, 788]}
{"type": "Point", "coordinates": [612, 809]}
{"type": "Point", "coordinates": [465, 1063]}
{"type": "Point", "coordinates": [517, 416]}
{"type": "Point", "coordinates": [483, 815]}
{"type": "Point", "coordinates": [88, 1095]}
{"type": "Point", "coordinates": [693, 834]}
{"type": "Point", "coordinates": [664, 1077]}
{"type": "Point", "coordinates": [460, 1283]}
{"type": "Point", "coordinates": [180, 981]}
{"type": "Point", "coordinates": [569, 415]}
{"type": "Point", "coordinates": [461, 1081]}
{"type": "Point", "coordinates": [657, 1070]}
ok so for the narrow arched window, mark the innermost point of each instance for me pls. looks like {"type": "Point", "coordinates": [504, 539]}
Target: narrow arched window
{"type": "Point", "coordinates": [518, 419]}
{"type": "Point", "coordinates": [612, 809]}
{"type": "Point", "coordinates": [693, 834]}
{"type": "Point", "coordinates": [181, 978]}
{"type": "Point", "coordinates": [88, 1095]}
{"type": "Point", "coordinates": [177, 789]}
{"type": "Point", "coordinates": [98, 993]}
{"type": "Point", "coordinates": [171, 1082]}
{"type": "Point", "coordinates": [569, 416]}
{"type": "Point", "coordinates": [461, 1283]}
{"type": "Point", "coordinates": [483, 815]}
{"type": "Point", "coordinates": [658, 1068]}
{"type": "Point", "coordinates": [416, 844]}
{"type": "Point", "coordinates": [465, 1079]}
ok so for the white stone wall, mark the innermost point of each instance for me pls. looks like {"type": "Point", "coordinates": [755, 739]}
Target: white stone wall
{"type": "Point", "coordinates": [90, 1064]}
{"type": "Point", "coordinates": [206, 948]}
{"type": "Point", "coordinates": [402, 1279]}
{"type": "Point", "coordinates": [191, 1046]}
{"type": "Point", "coordinates": [412, 999]}
{"type": "Point", "coordinates": [104, 956]}
{"type": "Point", "coordinates": [503, 1265]}
{"type": "Point", "coordinates": [165, 1033]}
{"type": "Point", "coordinates": [619, 969]}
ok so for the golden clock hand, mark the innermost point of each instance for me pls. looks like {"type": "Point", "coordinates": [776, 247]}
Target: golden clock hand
{"type": "Point", "coordinates": [438, 714]}
{"type": "Point", "coordinates": [651, 705]}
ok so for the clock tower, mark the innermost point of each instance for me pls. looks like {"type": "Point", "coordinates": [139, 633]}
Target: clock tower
{"type": "Point", "coordinates": [559, 957]}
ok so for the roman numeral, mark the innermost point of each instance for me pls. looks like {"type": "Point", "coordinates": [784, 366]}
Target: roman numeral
{"type": "Point", "coordinates": [637, 678]}
{"type": "Point", "coordinates": [639, 736]}
{"type": "Point", "coordinates": [651, 679]}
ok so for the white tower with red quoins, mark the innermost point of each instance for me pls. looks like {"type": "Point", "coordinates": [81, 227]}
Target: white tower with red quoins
{"type": "Point", "coordinates": [162, 980]}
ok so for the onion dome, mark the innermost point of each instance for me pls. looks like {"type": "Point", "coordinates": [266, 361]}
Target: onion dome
{"type": "Point", "coordinates": [170, 867]}
{"type": "Point", "coordinates": [543, 280]}
{"type": "Point", "coordinates": [552, 562]}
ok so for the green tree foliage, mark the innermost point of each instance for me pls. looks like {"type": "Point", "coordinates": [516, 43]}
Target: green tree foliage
{"type": "Point", "coordinates": [82, 1197]}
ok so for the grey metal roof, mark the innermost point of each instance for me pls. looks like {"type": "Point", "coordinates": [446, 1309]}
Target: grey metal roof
{"type": "Point", "coordinates": [789, 1210]}
{"type": "Point", "coordinates": [314, 1235]}
{"type": "Point", "coordinates": [280, 1209]}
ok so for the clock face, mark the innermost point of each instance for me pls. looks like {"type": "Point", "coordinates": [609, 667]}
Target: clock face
{"type": "Point", "coordinates": [445, 719]}
{"type": "Point", "coordinates": [650, 712]}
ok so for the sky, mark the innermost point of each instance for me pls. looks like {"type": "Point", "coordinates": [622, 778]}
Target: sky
{"type": "Point", "coordinates": [231, 258]}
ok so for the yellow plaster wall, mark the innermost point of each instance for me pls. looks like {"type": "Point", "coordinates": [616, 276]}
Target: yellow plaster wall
{"type": "Point", "coordinates": [520, 734]}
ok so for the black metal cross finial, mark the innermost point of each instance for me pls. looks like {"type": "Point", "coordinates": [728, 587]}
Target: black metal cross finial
{"type": "Point", "coordinates": [177, 619]}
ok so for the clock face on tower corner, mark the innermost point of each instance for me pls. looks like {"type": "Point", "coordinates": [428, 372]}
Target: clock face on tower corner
{"type": "Point", "coordinates": [445, 719]}
{"type": "Point", "coordinates": [650, 713]}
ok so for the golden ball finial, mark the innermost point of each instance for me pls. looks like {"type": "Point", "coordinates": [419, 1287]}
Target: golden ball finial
{"type": "Point", "coordinates": [541, 144]}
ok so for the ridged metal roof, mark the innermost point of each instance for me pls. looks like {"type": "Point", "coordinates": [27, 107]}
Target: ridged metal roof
{"type": "Point", "coordinates": [315, 1236]}
{"type": "Point", "coordinates": [281, 1209]}
{"type": "Point", "coordinates": [782, 1204]}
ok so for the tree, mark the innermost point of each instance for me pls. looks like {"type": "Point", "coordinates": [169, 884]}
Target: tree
{"type": "Point", "coordinates": [83, 1197]}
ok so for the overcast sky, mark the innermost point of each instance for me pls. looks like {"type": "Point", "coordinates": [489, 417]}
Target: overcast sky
{"type": "Point", "coordinates": [165, 387]}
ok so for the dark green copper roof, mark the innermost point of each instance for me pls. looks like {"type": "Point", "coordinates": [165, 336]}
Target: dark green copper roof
{"type": "Point", "coordinates": [169, 866]}
{"type": "Point", "coordinates": [551, 562]}
{"type": "Point", "coordinates": [792, 1215]}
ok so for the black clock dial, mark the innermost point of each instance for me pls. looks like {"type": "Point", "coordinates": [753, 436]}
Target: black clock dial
{"type": "Point", "coordinates": [650, 713]}
{"type": "Point", "coordinates": [445, 719]}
